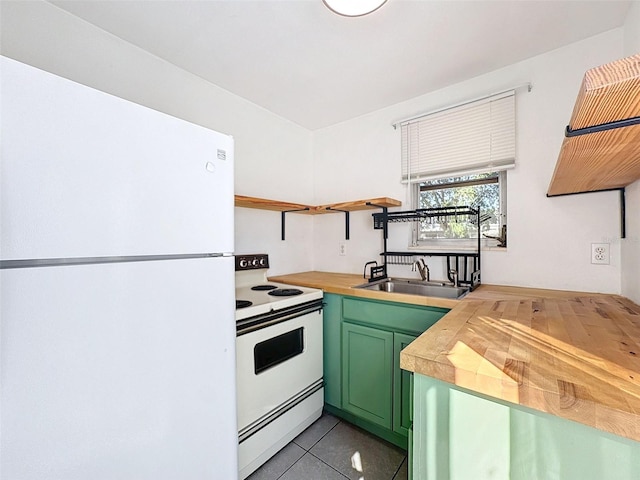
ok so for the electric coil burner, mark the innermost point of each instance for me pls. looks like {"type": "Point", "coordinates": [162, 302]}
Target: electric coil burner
{"type": "Point", "coordinates": [278, 362]}
{"type": "Point", "coordinates": [263, 288]}
{"type": "Point", "coordinates": [285, 292]}
{"type": "Point", "coordinates": [243, 303]}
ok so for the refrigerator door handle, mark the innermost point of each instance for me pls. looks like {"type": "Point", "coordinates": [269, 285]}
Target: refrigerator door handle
{"type": "Point", "coordinates": [57, 262]}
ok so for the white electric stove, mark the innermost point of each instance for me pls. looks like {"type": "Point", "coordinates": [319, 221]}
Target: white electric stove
{"type": "Point", "coordinates": [256, 295]}
{"type": "Point", "coordinates": [278, 361]}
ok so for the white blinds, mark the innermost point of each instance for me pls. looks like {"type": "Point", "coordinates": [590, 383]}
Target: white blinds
{"type": "Point", "coordinates": [475, 137]}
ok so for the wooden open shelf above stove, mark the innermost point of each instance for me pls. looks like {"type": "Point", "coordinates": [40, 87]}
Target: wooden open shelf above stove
{"type": "Point", "coordinates": [287, 207]}
{"type": "Point", "coordinates": [601, 150]}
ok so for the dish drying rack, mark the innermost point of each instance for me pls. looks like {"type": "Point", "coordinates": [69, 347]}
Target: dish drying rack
{"type": "Point", "coordinates": [466, 264]}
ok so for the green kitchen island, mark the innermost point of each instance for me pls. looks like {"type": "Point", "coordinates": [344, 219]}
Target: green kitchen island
{"type": "Point", "coordinates": [525, 384]}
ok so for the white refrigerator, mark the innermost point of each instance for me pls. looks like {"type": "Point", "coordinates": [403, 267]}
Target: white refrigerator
{"type": "Point", "coordinates": [116, 288]}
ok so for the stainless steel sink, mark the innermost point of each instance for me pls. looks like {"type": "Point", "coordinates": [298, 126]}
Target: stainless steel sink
{"type": "Point", "coordinates": [416, 287]}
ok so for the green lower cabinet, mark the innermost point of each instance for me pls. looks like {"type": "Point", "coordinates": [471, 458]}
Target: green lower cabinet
{"type": "Point", "coordinates": [461, 435]}
{"type": "Point", "coordinates": [363, 380]}
{"type": "Point", "coordinates": [367, 373]}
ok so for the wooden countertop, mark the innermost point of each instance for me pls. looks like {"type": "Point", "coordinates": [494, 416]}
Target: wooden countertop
{"type": "Point", "coordinates": [570, 354]}
{"type": "Point", "coordinates": [573, 355]}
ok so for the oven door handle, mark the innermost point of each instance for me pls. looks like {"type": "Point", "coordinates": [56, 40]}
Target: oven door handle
{"type": "Point", "coordinates": [259, 322]}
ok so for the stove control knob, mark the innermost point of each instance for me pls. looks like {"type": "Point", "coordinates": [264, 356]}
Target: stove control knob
{"type": "Point", "coordinates": [243, 262]}
{"type": "Point", "coordinates": [255, 262]}
{"type": "Point", "coordinates": [263, 262]}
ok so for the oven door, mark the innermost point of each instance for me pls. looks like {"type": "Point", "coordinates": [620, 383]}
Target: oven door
{"type": "Point", "coordinates": [279, 362]}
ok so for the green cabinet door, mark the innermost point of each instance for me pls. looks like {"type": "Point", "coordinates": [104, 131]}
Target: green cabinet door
{"type": "Point", "coordinates": [402, 391]}
{"type": "Point", "coordinates": [332, 349]}
{"type": "Point", "coordinates": [367, 373]}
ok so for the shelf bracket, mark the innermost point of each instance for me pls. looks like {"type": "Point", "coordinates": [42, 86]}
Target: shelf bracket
{"type": "Point", "coordinates": [603, 127]}
{"type": "Point", "coordinates": [623, 208]}
{"type": "Point", "coordinates": [346, 220]}
{"type": "Point", "coordinates": [623, 214]}
{"type": "Point", "coordinates": [282, 217]}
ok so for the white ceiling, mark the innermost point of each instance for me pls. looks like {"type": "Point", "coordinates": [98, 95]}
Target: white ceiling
{"type": "Point", "coordinates": [315, 68]}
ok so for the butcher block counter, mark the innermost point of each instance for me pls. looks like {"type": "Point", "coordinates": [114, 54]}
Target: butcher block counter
{"type": "Point", "coordinates": [569, 354]}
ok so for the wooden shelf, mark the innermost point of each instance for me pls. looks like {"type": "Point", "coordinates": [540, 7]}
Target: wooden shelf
{"type": "Point", "coordinates": [369, 204]}
{"type": "Point", "coordinates": [277, 205]}
{"type": "Point", "coordinates": [286, 207]}
{"type": "Point", "coordinates": [609, 159]}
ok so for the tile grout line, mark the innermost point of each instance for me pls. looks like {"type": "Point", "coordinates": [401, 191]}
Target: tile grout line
{"type": "Point", "coordinates": [399, 467]}
{"type": "Point", "coordinates": [342, 475]}
{"type": "Point", "coordinates": [318, 441]}
{"type": "Point", "coordinates": [393, 475]}
{"type": "Point", "coordinates": [330, 466]}
{"type": "Point", "coordinates": [309, 451]}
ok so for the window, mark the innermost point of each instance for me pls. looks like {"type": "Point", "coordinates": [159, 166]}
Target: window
{"type": "Point", "coordinates": [485, 191]}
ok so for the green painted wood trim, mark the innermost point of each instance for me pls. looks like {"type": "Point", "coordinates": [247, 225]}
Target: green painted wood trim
{"type": "Point", "coordinates": [410, 453]}
{"type": "Point", "coordinates": [401, 386]}
{"type": "Point", "coordinates": [397, 317]}
{"type": "Point", "coordinates": [332, 349]}
{"type": "Point", "coordinates": [430, 449]}
{"type": "Point", "coordinates": [460, 435]}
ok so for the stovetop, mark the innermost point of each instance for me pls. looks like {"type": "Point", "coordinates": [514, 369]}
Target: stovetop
{"type": "Point", "coordinates": [251, 271]}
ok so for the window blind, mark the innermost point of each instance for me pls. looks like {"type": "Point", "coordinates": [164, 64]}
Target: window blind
{"type": "Point", "coordinates": [474, 137]}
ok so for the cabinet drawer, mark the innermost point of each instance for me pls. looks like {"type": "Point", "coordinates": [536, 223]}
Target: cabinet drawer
{"type": "Point", "coordinates": [392, 316]}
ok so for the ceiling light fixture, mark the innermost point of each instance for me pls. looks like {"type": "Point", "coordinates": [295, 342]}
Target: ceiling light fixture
{"type": "Point", "coordinates": [353, 8]}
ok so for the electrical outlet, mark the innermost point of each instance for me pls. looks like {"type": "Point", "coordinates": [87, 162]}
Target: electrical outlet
{"type": "Point", "coordinates": [600, 253]}
{"type": "Point", "coordinates": [342, 248]}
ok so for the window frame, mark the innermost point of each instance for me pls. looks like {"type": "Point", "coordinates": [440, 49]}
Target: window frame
{"type": "Point", "coordinates": [455, 243]}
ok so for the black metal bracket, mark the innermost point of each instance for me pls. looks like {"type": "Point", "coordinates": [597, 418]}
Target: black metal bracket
{"type": "Point", "coordinates": [282, 217]}
{"type": "Point", "coordinates": [346, 220]}
{"type": "Point", "coordinates": [623, 208]}
{"type": "Point", "coordinates": [627, 122]}
{"type": "Point", "coordinates": [623, 214]}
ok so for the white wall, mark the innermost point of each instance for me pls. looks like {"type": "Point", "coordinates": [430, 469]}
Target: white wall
{"type": "Point", "coordinates": [40, 34]}
{"type": "Point", "coordinates": [631, 244]}
{"type": "Point", "coordinates": [549, 238]}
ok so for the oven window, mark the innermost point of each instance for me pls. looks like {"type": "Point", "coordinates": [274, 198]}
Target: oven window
{"type": "Point", "coordinates": [278, 349]}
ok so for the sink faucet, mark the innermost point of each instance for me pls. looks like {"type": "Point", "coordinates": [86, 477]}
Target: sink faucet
{"type": "Point", "coordinates": [453, 276]}
{"type": "Point", "coordinates": [422, 268]}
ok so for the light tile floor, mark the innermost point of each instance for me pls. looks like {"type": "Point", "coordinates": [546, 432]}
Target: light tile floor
{"type": "Point", "coordinates": [332, 449]}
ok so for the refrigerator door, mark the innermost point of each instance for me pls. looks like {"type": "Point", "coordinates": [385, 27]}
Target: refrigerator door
{"type": "Point", "coordinates": [119, 371]}
{"type": "Point", "coordinates": [87, 174]}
